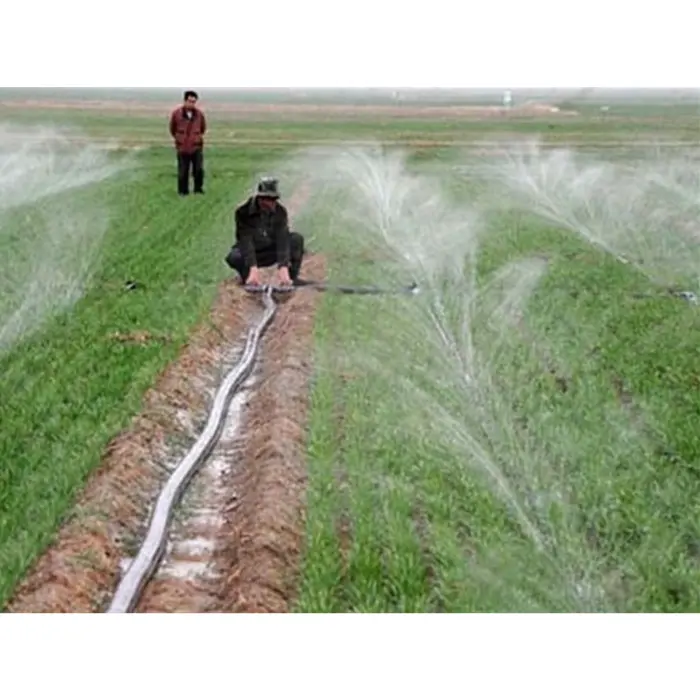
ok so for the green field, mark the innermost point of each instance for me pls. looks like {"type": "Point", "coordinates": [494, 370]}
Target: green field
{"type": "Point", "coordinates": [540, 456]}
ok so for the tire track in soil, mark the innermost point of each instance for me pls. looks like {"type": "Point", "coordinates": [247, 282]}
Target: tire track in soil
{"type": "Point", "coordinates": [81, 569]}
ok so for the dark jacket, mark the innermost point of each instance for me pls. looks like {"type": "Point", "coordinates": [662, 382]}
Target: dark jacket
{"type": "Point", "coordinates": [257, 229]}
{"type": "Point", "coordinates": [188, 133]}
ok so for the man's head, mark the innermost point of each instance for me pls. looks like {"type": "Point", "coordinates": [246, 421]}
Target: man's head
{"type": "Point", "coordinates": [190, 99]}
{"type": "Point", "coordinates": [267, 193]}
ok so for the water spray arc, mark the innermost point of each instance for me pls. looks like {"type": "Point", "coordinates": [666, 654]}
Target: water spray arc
{"type": "Point", "coordinates": [645, 215]}
{"type": "Point", "coordinates": [459, 356]}
{"type": "Point", "coordinates": [51, 225]}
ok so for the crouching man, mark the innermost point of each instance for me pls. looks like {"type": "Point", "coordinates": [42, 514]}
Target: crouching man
{"type": "Point", "coordinates": [263, 238]}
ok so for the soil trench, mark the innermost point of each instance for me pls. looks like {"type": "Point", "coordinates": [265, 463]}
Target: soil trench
{"type": "Point", "coordinates": [237, 544]}
{"type": "Point", "coordinates": [237, 536]}
{"type": "Point", "coordinates": [186, 579]}
{"type": "Point", "coordinates": [263, 534]}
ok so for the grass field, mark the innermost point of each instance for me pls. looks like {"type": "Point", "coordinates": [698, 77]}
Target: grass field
{"type": "Point", "coordinates": [543, 458]}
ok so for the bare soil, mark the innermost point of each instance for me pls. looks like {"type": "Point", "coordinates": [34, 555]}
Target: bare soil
{"type": "Point", "coordinates": [252, 110]}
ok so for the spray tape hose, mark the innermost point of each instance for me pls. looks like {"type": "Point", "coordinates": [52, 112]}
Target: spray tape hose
{"type": "Point", "coordinates": [323, 287]}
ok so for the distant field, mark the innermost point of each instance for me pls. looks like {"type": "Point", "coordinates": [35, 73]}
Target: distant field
{"type": "Point", "coordinates": [586, 420]}
{"type": "Point", "coordinates": [144, 123]}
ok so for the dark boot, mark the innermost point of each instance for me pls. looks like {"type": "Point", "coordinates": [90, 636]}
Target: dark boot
{"type": "Point", "coordinates": [235, 261]}
{"type": "Point", "coordinates": [296, 254]}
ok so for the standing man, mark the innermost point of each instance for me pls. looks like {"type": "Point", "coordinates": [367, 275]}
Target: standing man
{"type": "Point", "coordinates": [187, 127]}
{"type": "Point", "coordinates": [263, 238]}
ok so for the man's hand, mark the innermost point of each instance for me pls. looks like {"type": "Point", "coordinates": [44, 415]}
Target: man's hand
{"type": "Point", "coordinates": [283, 277]}
{"type": "Point", "coordinates": [253, 277]}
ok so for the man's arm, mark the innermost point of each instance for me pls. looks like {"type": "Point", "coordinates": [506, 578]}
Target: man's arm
{"type": "Point", "coordinates": [244, 237]}
{"type": "Point", "coordinates": [204, 124]}
{"type": "Point", "coordinates": [283, 241]}
{"type": "Point", "coordinates": [172, 125]}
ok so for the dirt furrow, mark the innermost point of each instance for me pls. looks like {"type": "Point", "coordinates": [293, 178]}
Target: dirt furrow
{"type": "Point", "coordinates": [238, 542]}
{"type": "Point", "coordinates": [187, 578]}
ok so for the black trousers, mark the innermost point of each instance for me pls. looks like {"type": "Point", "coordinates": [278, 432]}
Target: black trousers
{"type": "Point", "coordinates": [266, 257]}
{"type": "Point", "coordinates": [185, 163]}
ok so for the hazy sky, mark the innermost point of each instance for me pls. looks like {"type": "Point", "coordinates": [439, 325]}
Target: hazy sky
{"type": "Point", "coordinates": [363, 43]}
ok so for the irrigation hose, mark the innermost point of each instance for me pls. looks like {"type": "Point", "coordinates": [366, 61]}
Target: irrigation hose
{"type": "Point", "coordinates": [149, 557]}
{"type": "Point", "coordinates": [340, 289]}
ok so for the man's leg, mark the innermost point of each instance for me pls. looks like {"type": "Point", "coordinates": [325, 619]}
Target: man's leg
{"type": "Point", "coordinates": [198, 171]}
{"type": "Point", "coordinates": [235, 261]}
{"type": "Point", "coordinates": [183, 174]}
{"type": "Point", "coordinates": [296, 254]}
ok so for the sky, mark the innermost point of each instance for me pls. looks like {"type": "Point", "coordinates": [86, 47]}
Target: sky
{"type": "Point", "coordinates": [364, 43]}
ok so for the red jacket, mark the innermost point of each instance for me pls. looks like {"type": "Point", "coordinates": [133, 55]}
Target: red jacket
{"type": "Point", "coordinates": [188, 133]}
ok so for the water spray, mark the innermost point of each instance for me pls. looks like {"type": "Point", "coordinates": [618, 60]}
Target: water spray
{"type": "Point", "coordinates": [644, 215]}
{"type": "Point", "coordinates": [51, 224]}
{"type": "Point", "coordinates": [449, 351]}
